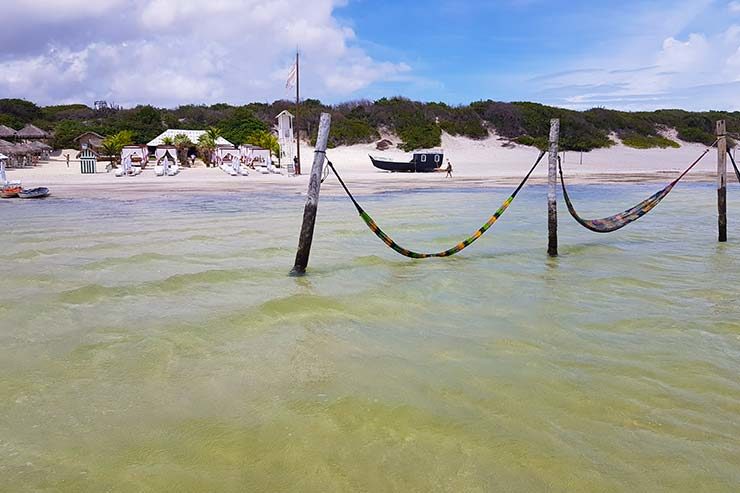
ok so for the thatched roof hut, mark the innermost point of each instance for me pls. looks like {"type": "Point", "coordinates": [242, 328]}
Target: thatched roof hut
{"type": "Point", "coordinates": [11, 149]}
{"type": "Point", "coordinates": [40, 146]}
{"type": "Point", "coordinates": [6, 132]}
{"type": "Point", "coordinates": [31, 132]}
{"type": "Point", "coordinates": [7, 147]}
{"type": "Point", "coordinates": [18, 154]}
{"type": "Point", "coordinates": [25, 149]}
{"type": "Point", "coordinates": [92, 140]}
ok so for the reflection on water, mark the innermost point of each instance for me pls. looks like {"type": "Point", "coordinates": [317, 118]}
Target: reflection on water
{"type": "Point", "coordinates": [160, 345]}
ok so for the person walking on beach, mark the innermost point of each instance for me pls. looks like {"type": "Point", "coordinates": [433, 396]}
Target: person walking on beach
{"type": "Point", "coordinates": [449, 169]}
{"type": "Point", "coordinates": [67, 156]}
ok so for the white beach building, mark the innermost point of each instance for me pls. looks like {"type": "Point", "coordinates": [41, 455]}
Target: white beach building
{"type": "Point", "coordinates": [286, 139]}
{"type": "Point", "coordinates": [193, 135]}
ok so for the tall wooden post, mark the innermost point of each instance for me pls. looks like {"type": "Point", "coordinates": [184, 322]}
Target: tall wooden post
{"type": "Point", "coordinates": [296, 127]}
{"type": "Point", "coordinates": [312, 201]}
{"type": "Point", "coordinates": [722, 180]}
{"type": "Point", "coordinates": [552, 181]}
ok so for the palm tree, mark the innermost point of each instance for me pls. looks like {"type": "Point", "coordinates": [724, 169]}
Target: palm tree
{"type": "Point", "coordinates": [113, 144]}
{"type": "Point", "coordinates": [206, 146]}
{"type": "Point", "coordinates": [213, 133]}
{"type": "Point", "coordinates": [265, 140]}
{"type": "Point", "coordinates": [182, 143]}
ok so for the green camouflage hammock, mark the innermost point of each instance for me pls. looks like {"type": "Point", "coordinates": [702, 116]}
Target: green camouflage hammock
{"type": "Point", "coordinates": [618, 221]}
{"type": "Point", "coordinates": [446, 253]}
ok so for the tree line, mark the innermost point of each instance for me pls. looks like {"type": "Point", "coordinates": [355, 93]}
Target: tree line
{"type": "Point", "coordinates": [417, 124]}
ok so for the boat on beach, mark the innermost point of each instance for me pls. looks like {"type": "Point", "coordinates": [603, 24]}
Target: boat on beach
{"type": "Point", "coordinates": [421, 162]}
{"type": "Point", "coordinates": [10, 191]}
{"type": "Point", "coordinates": [34, 193]}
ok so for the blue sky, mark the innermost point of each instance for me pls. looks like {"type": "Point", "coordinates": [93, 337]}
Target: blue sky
{"type": "Point", "coordinates": [633, 54]}
{"type": "Point", "coordinates": [552, 51]}
{"type": "Point", "coordinates": [629, 55]}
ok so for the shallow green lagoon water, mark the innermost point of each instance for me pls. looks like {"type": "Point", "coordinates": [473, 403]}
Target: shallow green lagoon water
{"type": "Point", "coordinates": [158, 345]}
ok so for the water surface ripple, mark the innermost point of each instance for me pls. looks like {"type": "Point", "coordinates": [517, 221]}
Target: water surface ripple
{"type": "Point", "coordinates": [158, 345]}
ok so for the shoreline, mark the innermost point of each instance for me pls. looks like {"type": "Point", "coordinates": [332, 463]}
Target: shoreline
{"type": "Point", "coordinates": [477, 164]}
{"type": "Point", "coordinates": [143, 186]}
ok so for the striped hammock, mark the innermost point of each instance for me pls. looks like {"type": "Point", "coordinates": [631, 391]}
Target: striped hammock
{"type": "Point", "coordinates": [619, 221]}
{"type": "Point", "coordinates": [446, 253]}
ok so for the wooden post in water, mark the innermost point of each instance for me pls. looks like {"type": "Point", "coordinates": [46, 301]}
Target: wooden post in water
{"type": "Point", "coordinates": [312, 201]}
{"type": "Point", "coordinates": [722, 180]}
{"type": "Point", "coordinates": [552, 182]}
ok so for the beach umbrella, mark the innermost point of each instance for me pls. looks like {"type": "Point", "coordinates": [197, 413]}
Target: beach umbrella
{"type": "Point", "coordinates": [23, 149]}
{"type": "Point", "coordinates": [6, 132]}
{"type": "Point", "coordinates": [40, 146]}
{"type": "Point", "coordinates": [31, 132]}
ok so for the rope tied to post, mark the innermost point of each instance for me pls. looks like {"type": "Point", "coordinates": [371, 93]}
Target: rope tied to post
{"type": "Point", "coordinates": [618, 221]}
{"type": "Point", "coordinates": [446, 253]}
{"type": "Point", "coordinates": [734, 165]}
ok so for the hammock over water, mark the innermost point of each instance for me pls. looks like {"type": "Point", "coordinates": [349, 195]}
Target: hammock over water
{"type": "Point", "coordinates": [618, 221]}
{"type": "Point", "coordinates": [446, 253]}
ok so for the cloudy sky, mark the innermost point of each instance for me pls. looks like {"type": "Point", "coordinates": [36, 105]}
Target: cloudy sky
{"type": "Point", "coordinates": [572, 53]}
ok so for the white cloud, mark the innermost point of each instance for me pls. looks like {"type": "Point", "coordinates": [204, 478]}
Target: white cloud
{"type": "Point", "coordinates": [172, 51]}
{"type": "Point", "coordinates": [697, 71]}
{"type": "Point", "coordinates": [734, 7]}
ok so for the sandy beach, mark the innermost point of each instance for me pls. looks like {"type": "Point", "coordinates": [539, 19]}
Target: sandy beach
{"type": "Point", "coordinates": [485, 163]}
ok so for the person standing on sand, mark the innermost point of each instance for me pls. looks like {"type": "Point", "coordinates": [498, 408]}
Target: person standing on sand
{"type": "Point", "coordinates": [67, 155]}
{"type": "Point", "coordinates": [449, 169]}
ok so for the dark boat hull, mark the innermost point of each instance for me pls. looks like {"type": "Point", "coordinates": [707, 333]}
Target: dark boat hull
{"type": "Point", "coordinates": [416, 165]}
{"type": "Point", "coordinates": [34, 193]}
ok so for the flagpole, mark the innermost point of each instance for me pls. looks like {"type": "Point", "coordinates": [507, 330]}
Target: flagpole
{"type": "Point", "coordinates": [297, 128]}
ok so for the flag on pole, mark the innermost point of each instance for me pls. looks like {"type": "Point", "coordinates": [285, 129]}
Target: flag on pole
{"type": "Point", "coordinates": [291, 77]}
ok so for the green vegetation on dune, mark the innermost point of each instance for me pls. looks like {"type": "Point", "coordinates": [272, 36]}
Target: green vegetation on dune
{"type": "Point", "coordinates": [640, 141]}
{"type": "Point", "coordinates": [348, 131]}
{"type": "Point", "coordinates": [418, 125]}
